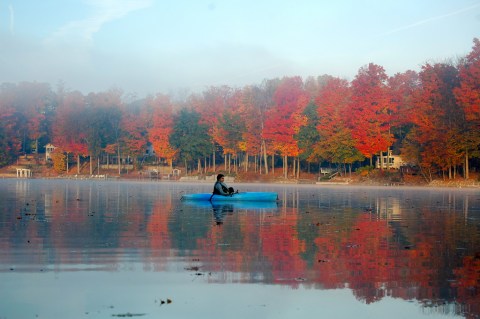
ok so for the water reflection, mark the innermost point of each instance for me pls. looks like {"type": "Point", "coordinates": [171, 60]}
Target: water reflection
{"type": "Point", "coordinates": [419, 244]}
{"type": "Point", "coordinates": [221, 210]}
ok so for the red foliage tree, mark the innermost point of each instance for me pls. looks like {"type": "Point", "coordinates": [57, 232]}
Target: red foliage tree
{"type": "Point", "coordinates": [468, 97]}
{"type": "Point", "coordinates": [438, 124]}
{"type": "Point", "coordinates": [285, 118]}
{"type": "Point", "coordinates": [370, 111]}
{"type": "Point", "coordinates": [468, 94]}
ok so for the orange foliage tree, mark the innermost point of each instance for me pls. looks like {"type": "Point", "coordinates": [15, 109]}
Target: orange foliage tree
{"type": "Point", "coordinates": [161, 128]}
{"type": "Point", "coordinates": [68, 133]}
{"type": "Point", "coordinates": [336, 143]}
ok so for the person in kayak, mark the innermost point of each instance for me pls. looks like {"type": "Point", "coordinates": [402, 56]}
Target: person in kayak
{"type": "Point", "coordinates": [220, 188]}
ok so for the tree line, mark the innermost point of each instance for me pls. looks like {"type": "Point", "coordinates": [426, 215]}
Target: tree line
{"type": "Point", "coordinates": [431, 118]}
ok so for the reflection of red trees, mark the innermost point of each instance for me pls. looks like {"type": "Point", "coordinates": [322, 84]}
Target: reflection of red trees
{"type": "Point", "coordinates": [468, 285]}
{"type": "Point", "coordinates": [368, 258]}
{"type": "Point", "coordinates": [282, 248]}
{"type": "Point", "coordinates": [157, 228]}
{"type": "Point", "coordinates": [368, 253]}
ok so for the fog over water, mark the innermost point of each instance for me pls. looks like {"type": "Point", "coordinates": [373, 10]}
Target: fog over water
{"type": "Point", "coordinates": [97, 249]}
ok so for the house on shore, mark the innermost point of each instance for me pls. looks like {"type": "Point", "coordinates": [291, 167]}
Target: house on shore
{"type": "Point", "coordinates": [49, 148]}
{"type": "Point", "coordinates": [387, 160]}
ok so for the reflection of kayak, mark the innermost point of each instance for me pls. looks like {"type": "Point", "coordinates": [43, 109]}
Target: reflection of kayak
{"type": "Point", "coordinates": [232, 205]}
{"type": "Point", "coordinates": [247, 196]}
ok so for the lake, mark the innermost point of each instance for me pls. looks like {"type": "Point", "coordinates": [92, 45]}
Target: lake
{"type": "Point", "coordinates": [103, 249]}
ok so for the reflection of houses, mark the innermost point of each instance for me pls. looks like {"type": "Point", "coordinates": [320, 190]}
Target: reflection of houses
{"type": "Point", "coordinates": [388, 207]}
{"type": "Point", "coordinates": [24, 172]}
{"type": "Point", "coordinates": [385, 161]}
{"type": "Point", "coordinates": [49, 148]}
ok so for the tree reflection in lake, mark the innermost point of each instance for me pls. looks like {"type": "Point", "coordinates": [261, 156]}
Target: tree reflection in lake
{"type": "Point", "coordinates": [407, 244]}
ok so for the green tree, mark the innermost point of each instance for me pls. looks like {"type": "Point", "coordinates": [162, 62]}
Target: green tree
{"type": "Point", "coordinates": [189, 137]}
{"type": "Point", "coordinates": [308, 134]}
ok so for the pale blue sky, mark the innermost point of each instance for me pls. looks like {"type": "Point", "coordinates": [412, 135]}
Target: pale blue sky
{"type": "Point", "coordinates": [153, 46]}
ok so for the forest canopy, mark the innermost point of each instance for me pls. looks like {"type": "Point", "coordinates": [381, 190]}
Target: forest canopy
{"type": "Point", "coordinates": [431, 118]}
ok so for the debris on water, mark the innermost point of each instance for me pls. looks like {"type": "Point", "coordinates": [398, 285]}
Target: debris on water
{"type": "Point", "coordinates": [168, 301]}
{"type": "Point", "coordinates": [194, 268]}
{"type": "Point", "coordinates": [128, 314]}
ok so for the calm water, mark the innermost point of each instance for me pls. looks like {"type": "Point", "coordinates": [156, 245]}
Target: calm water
{"type": "Point", "coordinates": [101, 249]}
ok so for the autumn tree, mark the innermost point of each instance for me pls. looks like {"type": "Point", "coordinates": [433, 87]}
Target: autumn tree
{"type": "Point", "coordinates": [10, 125]}
{"type": "Point", "coordinates": [68, 131]}
{"type": "Point", "coordinates": [336, 143]}
{"type": "Point", "coordinates": [284, 120]}
{"type": "Point", "coordinates": [438, 122]}
{"type": "Point", "coordinates": [402, 90]}
{"type": "Point", "coordinates": [100, 121]}
{"type": "Point", "coordinates": [468, 97]}
{"type": "Point", "coordinates": [211, 105]}
{"type": "Point", "coordinates": [231, 127]}
{"type": "Point", "coordinates": [251, 114]}
{"type": "Point", "coordinates": [161, 128]}
{"type": "Point", "coordinates": [370, 111]}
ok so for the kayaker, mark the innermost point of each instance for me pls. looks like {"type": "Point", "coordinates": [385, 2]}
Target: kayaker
{"type": "Point", "coordinates": [220, 188]}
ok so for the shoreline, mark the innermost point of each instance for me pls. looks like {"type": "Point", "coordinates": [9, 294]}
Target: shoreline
{"type": "Point", "coordinates": [471, 184]}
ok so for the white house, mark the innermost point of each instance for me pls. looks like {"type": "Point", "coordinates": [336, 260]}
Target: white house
{"type": "Point", "coordinates": [390, 161]}
{"type": "Point", "coordinates": [49, 148]}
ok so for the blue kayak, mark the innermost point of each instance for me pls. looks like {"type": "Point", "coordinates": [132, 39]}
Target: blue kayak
{"type": "Point", "coordinates": [247, 196]}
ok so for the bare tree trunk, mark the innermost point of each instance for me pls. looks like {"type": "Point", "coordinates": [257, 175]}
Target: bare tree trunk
{"type": "Point", "coordinates": [265, 156]}
{"type": "Point", "coordinates": [294, 172]}
{"type": "Point", "coordinates": [285, 166]}
{"type": "Point", "coordinates": [67, 162]}
{"type": "Point", "coordinates": [388, 158]}
{"type": "Point", "coordinates": [119, 160]}
{"type": "Point", "coordinates": [214, 168]}
{"type": "Point", "coordinates": [466, 168]}
{"type": "Point", "coordinates": [273, 164]}
{"type": "Point", "coordinates": [78, 163]}
{"type": "Point", "coordinates": [298, 167]}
